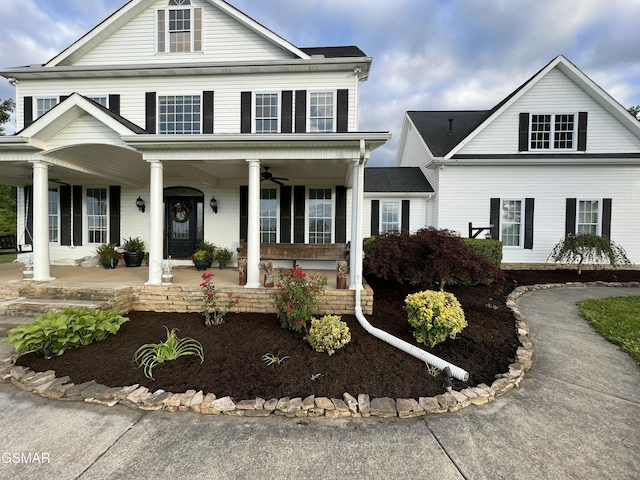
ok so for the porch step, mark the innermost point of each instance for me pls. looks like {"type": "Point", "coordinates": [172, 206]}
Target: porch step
{"type": "Point", "coordinates": [33, 307]}
{"type": "Point", "coordinates": [7, 323]}
{"type": "Point", "coordinates": [74, 292]}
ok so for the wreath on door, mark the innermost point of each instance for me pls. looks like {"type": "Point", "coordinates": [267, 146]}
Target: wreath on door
{"type": "Point", "coordinates": [180, 212]}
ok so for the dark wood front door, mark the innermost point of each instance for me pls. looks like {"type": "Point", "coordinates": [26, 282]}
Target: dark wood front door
{"type": "Point", "coordinates": [180, 215]}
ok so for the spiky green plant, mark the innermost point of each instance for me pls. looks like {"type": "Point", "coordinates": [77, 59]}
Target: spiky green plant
{"type": "Point", "coordinates": [271, 359]}
{"type": "Point", "coordinates": [152, 354]}
{"type": "Point", "coordinates": [588, 248]}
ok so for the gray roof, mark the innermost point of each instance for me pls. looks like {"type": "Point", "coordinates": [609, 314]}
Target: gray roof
{"type": "Point", "coordinates": [396, 179]}
{"type": "Point", "coordinates": [335, 52]}
{"type": "Point", "coordinates": [433, 126]}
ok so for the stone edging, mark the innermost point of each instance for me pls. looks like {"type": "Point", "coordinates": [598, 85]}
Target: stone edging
{"type": "Point", "coordinates": [47, 385]}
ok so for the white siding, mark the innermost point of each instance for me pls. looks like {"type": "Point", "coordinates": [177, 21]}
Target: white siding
{"type": "Point", "coordinates": [224, 39]}
{"type": "Point", "coordinates": [82, 129]}
{"type": "Point", "coordinates": [414, 153]}
{"type": "Point", "coordinates": [555, 93]}
{"type": "Point", "coordinates": [227, 90]}
{"type": "Point", "coordinates": [465, 195]}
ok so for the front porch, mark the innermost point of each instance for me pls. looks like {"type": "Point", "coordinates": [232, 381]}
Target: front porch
{"type": "Point", "coordinates": [124, 288]}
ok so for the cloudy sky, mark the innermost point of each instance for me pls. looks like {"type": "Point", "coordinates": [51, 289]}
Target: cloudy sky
{"type": "Point", "coordinates": [428, 54]}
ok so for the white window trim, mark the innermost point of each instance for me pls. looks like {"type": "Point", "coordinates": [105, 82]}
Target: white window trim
{"type": "Point", "coordinates": [335, 109]}
{"type": "Point", "coordinates": [192, 31]}
{"type": "Point", "coordinates": [390, 200]}
{"type": "Point", "coordinates": [277, 213]}
{"type": "Point", "coordinates": [333, 211]}
{"type": "Point", "coordinates": [85, 215]}
{"type": "Point", "coordinates": [187, 94]}
{"type": "Point", "coordinates": [577, 219]}
{"type": "Point", "coordinates": [58, 215]}
{"type": "Point", "coordinates": [253, 108]}
{"type": "Point", "coordinates": [44, 97]}
{"type": "Point", "coordinates": [91, 97]}
{"type": "Point", "coordinates": [574, 140]}
{"type": "Point", "coordinates": [522, 221]}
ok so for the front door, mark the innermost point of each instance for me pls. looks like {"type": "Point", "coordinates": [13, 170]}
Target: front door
{"type": "Point", "coordinates": [181, 215]}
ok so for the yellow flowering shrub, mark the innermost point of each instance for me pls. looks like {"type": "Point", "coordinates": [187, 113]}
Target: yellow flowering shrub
{"type": "Point", "coordinates": [434, 316]}
{"type": "Point", "coordinates": [328, 334]}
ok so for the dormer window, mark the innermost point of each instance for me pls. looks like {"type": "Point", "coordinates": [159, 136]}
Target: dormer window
{"type": "Point", "coordinates": [179, 28]}
{"type": "Point", "coordinates": [553, 132]}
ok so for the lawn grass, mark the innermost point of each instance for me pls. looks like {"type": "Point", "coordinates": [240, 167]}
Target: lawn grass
{"type": "Point", "coordinates": [7, 258]}
{"type": "Point", "coordinates": [616, 319]}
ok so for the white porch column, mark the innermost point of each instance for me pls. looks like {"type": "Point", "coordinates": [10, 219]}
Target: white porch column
{"type": "Point", "coordinates": [355, 267]}
{"type": "Point", "coordinates": [156, 217]}
{"type": "Point", "coordinates": [253, 227]}
{"type": "Point", "coordinates": [40, 207]}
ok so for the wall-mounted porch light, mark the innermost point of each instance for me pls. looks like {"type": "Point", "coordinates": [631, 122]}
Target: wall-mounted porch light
{"type": "Point", "coordinates": [214, 204]}
{"type": "Point", "coordinates": [140, 204]}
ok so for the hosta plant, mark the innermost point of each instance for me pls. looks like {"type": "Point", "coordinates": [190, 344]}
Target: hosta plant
{"type": "Point", "coordinates": [56, 332]}
{"type": "Point", "coordinates": [328, 334]}
{"type": "Point", "coordinates": [434, 316]}
{"type": "Point", "coordinates": [152, 354]}
{"type": "Point", "coordinates": [297, 297]}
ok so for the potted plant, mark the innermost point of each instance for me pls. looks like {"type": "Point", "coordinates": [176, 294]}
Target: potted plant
{"type": "Point", "coordinates": [109, 255]}
{"type": "Point", "coordinates": [133, 251]}
{"type": "Point", "coordinates": [201, 259]}
{"type": "Point", "coordinates": [223, 257]}
{"type": "Point", "coordinates": [210, 248]}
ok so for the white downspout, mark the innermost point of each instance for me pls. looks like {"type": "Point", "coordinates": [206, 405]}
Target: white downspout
{"type": "Point", "coordinates": [457, 372]}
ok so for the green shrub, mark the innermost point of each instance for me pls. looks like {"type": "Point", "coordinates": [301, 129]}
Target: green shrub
{"type": "Point", "coordinates": [587, 247]}
{"type": "Point", "coordinates": [434, 316]}
{"type": "Point", "coordinates": [328, 334]}
{"type": "Point", "coordinates": [492, 249]}
{"type": "Point", "coordinates": [71, 328]}
{"type": "Point", "coordinates": [152, 354]}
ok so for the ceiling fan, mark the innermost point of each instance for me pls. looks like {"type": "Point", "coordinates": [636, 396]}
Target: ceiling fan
{"type": "Point", "coordinates": [267, 175]}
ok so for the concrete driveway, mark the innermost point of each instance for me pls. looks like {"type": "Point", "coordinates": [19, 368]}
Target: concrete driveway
{"type": "Point", "coordinates": [576, 415]}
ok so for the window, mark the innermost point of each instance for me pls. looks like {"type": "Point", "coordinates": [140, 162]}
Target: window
{"type": "Point", "coordinates": [97, 215]}
{"type": "Point", "coordinates": [179, 30]}
{"type": "Point", "coordinates": [511, 223]}
{"type": "Point", "coordinates": [588, 219]}
{"type": "Point", "coordinates": [320, 215]}
{"type": "Point", "coordinates": [321, 112]}
{"type": "Point", "coordinates": [552, 132]}
{"type": "Point", "coordinates": [101, 100]}
{"type": "Point", "coordinates": [43, 105]}
{"type": "Point", "coordinates": [179, 114]}
{"type": "Point", "coordinates": [268, 215]}
{"type": "Point", "coordinates": [54, 225]}
{"type": "Point", "coordinates": [266, 112]}
{"type": "Point", "coordinates": [389, 216]}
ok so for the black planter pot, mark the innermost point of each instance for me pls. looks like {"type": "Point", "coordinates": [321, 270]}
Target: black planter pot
{"type": "Point", "coordinates": [133, 259]}
{"type": "Point", "coordinates": [201, 265]}
{"type": "Point", "coordinates": [109, 264]}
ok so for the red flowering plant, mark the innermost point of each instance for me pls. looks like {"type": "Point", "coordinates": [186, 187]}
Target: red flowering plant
{"type": "Point", "coordinates": [297, 297]}
{"type": "Point", "coordinates": [214, 309]}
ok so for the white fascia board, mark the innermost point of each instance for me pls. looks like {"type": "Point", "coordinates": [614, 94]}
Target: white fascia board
{"type": "Point", "coordinates": [528, 162]}
{"type": "Point", "coordinates": [258, 28]}
{"type": "Point", "coordinates": [507, 105]}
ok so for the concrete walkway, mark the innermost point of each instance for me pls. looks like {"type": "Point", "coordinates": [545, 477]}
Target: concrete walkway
{"type": "Point", "coordinates": [576, 415]}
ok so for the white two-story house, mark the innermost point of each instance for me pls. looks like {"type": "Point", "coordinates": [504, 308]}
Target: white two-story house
{"type": "Point", "coordinates": [179, 121]}
{"type": "Point", "coordinates": [557, 156]}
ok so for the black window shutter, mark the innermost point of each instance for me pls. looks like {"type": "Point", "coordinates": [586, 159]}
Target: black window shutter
{"type": "Point", "coordinates": [244, 212]}
{"type": "Point", "coordinates": [245, 112]}
{"type": "Point", "coordinates": [28, 111]}
{"type": "Point", "coordinates": [341, 214]}
{"type": "Point", "coordinates": [207, 112]}
{"type": "Point", "coordinates": [114, 214]}
{"type": "Point", "coordinates": [301, 111]}
{"type": "Point", "coordinates": [529, 204]}
{"type": "Point", "coordinates": [150, 112]}
{"type": "Point", "coordinates": [285, 214]}
{"type": "Point", "coordinates": [299, 193]}
{"type": "Point", "coordinates": [375, 218]}
{"type": "Point", "coordinates": [582, 131]}
{"type": "Point", "coordinates": [77, 215]}
{"type": "Point", "coordinates": [523, 136]}
{"type": "Point", "coordinates": [570, 218]}
{"type": "Point", "coordinates": [114, 104]}
{"type": "Point", "coordinates": [342, 124]}
{"type": "Point", "coordinates": [65, 214]}
{"type": "Point", "coordinates": [494, 218]}
{"type": "Point", "coordinates": [606, 217]}
{"type": "Point", "coordinates": [405, 215]}
{"type": "Point", "coordinates": [287, 112]}
{"type": "Point", "coordinates": [63, 98]}
{"type": "Point", "coordinates": [28, 198]}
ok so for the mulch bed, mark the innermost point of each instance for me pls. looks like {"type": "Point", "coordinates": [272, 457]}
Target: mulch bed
{"type": "Point", "coordinates": [233, 351]}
